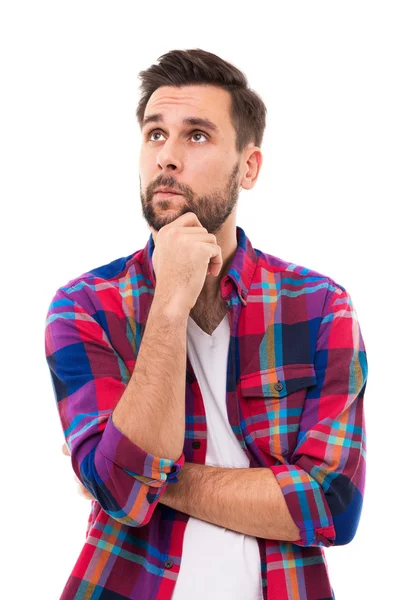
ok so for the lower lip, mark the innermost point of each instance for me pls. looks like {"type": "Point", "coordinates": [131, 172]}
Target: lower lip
{"type": "Point", "coordinates": [166, 194]}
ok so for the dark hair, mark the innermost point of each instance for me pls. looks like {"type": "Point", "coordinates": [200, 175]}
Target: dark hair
{"type": "Point", "coordinates": [195, 67]}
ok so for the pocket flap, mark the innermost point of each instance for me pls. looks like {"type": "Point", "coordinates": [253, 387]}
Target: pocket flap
{"type": "Point", "coordinates": [277, 382]}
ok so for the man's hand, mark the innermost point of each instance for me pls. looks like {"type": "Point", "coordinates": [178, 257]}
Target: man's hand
{"type": "Point", "coordinates": [81, 488]}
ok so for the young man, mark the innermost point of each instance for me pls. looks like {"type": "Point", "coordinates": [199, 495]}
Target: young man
{"type": "Point", "coordinates": [210, 394]}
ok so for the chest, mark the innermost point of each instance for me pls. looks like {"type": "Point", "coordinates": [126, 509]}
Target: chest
{"type": "Point", "coordinates": [207, 316]}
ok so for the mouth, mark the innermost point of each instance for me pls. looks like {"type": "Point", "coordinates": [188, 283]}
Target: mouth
{"type": "Point", "coordinates": [166, 194]}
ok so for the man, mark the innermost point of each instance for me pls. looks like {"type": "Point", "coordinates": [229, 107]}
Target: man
{"type": "Point", "coordinates": [210, 394]}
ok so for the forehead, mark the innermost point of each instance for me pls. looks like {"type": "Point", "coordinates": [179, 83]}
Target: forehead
{"type": "Point", "coordinates": [206, 101]}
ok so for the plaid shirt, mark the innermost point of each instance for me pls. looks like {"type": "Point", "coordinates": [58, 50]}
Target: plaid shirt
{"type": "Point", "coordinates": [296, 378]}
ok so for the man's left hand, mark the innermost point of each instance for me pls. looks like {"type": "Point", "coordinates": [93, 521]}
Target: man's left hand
{"type": "Point", "coordinates": [81, 488]}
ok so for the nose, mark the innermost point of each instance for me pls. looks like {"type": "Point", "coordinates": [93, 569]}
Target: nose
{"type": "Point", "coordinates": [169, 157]}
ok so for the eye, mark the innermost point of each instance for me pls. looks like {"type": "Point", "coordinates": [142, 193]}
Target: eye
{"type": "Point", "coordinates": [151, 133]}
{"type": "Point", "coordinates": [158, 131]}
{"type": "Point", "coordinates": [199, 133]}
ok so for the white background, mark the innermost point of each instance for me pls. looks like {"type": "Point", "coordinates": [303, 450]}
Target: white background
{"type": "Point", "coordinates": [325, 198]}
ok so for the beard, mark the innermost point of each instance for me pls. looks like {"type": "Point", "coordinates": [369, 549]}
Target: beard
{"type": "Point", "coordinates": [212, 210]}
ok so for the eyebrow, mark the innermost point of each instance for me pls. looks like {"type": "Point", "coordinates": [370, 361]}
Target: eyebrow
{"type": "Point", "coordinates": [206, 123]}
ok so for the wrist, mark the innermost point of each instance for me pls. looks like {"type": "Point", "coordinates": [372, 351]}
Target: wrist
{"type": "Point", "coordinates": [172, 308]}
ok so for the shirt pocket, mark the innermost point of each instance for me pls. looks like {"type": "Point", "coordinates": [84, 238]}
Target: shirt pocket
{"type": "Point", "coordinates": [272, 402]}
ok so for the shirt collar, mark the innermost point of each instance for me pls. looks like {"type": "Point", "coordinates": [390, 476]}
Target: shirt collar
{"type": "Point", "coordinates": [241, 270]}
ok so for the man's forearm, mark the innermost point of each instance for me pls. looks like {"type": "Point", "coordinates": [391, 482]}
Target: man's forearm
{"type": "Point", "coordinates": [248, 501]}
{"type": "Point", "coordinates": [151, 411]}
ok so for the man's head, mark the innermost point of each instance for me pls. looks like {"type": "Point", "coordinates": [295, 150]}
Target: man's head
{"type": "Point", "coordinates": [210, 156]}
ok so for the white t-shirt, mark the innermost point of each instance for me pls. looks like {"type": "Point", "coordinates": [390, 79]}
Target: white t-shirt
{"type": "Point", "coordinates": [217, 563]}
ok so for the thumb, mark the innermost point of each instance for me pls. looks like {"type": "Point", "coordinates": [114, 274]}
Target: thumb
{"type": "Point", "coordinates": [153, 232]}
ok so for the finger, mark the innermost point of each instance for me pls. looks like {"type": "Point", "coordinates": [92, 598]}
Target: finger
{"type": "Point", "coordinates": [216, 263]}
{"type": "Point", "coordinates": [65, 450]}
{"type": "Point", "coordinates": [82, 490]}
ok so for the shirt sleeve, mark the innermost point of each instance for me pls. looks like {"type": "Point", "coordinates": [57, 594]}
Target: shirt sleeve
{"type": "Point", "coordinates": [88, 379]}
{"type": "Point", "coordinates": [324, 483]}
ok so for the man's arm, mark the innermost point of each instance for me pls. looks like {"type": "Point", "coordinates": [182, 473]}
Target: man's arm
{"type": "Point", "coordinates": [222, 496]}
{"type": "Point", "coordinates": [324, 483]}
{"type": "Point", "coordinates": [248, 501]}
{"type": "Point", "coordinates": [151, 412]}
{"type": "Point", "coordinates": [89, 378]}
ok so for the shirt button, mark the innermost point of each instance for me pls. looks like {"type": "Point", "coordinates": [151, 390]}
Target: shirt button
{"type": "Point", "coordinates": [168, 563]}
{"type": "Point", "coordinates": [278, 386]}
{"type": "Point", "coordinates": [196, 444]}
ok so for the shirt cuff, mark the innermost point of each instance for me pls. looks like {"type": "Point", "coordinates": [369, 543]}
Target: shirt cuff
{"type": "Point", "coordinates": [152, 470]}
{"type": "Point", "coordinates": [307, 506]}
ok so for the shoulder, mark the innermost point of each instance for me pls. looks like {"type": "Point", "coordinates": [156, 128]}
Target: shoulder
{"type": "Point", "coordinates": [284, 268]}
{"type": "Point", "coordinates": [94, 288]}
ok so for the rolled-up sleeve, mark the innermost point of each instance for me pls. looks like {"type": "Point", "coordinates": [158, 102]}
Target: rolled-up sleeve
{"type": "Point", "coordinates": [88, 379]}
{"type": "Point", "coordinates": [324, 483]}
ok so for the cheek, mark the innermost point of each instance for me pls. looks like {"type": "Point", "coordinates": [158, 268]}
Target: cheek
{"type": "Point", "coordinates": [144, 162]}
{"type": "Point", "coordinates": [205, 176]}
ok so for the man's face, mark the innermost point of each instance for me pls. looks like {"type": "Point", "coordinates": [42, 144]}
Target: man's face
{"type": "Point", "coordinates": [199, 162]}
